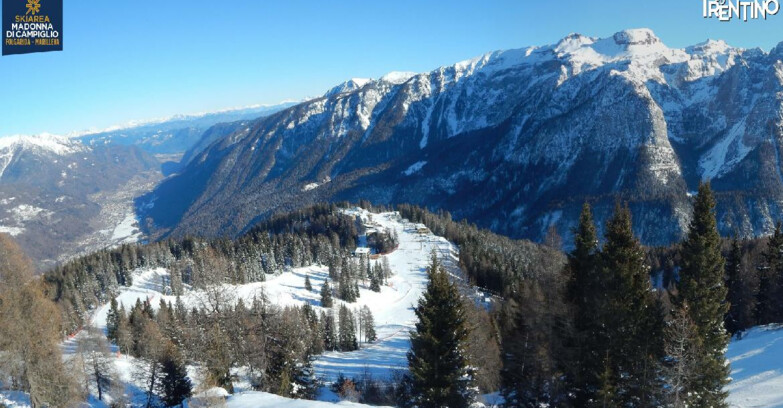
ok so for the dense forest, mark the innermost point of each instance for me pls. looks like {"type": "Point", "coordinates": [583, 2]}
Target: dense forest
{"type": "Point", "coordinates": [611, 323]}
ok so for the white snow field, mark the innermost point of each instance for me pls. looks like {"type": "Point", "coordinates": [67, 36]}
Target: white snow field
{"type": "Point", "coordinates": [393, 306]}
{"type": "Point", "coordinates": [757, 368]}
{"type": "Point", "coordinates": [392, 309]}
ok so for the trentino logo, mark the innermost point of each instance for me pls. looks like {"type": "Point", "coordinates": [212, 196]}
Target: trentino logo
{"type": "Point", "coordinates": [32, 26]}
{"type": "Point", "coordinates": [727, 10]}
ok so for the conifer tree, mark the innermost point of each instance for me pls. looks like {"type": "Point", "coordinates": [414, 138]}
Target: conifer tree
{"type": "Point", "coordinates": [681, 352]}
{"type": "Point", "coordinates": [635, 323]}
{"type": "Point", "coordinates": [330, 337]}
{"type": "Point", "coordinates": [440, 375]}
{"type": "Point", "coordinates": [768, 304]}
{"type": "Point", "coordinates": [739, 297]}
{"type": "Point", "coordinates": [347, 330]}
{"type": "Point", "coordinates": [124, 339]}
{"type": "Point", "coordinates": [112, 320]}
{"type": "Point", "coordinates": [701, 288]}
{"type": "Point", "coordinates": [375, 280]}
{"type": "Point", "coordinates": [586, 295]}
{"type": "Point", "coordinates": [305, 382]}
{"type": "Point", "coordinates": [368, 324]}
{"type": "Point", "coordinates": [174, 385]}
{"type": "Point", "coordinates": [308, 286]}
{"type": "Point", "coordinates": [217, 359]}
{"type": "Point", "coordinates": [326, 295]}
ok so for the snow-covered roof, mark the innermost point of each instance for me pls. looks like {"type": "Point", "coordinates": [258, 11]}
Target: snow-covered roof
{"type": "Point", "coordinates": [362, 251]}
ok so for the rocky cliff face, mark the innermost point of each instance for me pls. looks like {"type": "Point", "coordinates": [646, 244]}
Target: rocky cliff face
{"type": "Point", "coordinates": [514, 140]}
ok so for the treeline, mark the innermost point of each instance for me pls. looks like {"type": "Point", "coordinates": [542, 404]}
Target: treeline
{"type": "Point", "coordinates": [316, 235]}
{"type": "Point", "coordinates": [753, 278]}
{"type": "Point", "coordinates": [593, 332]}
{"type": "Point", "coordinates": [586, 329]}
{"type": "Point", "coordinates": [609, 339]}
{"type": "Point", "coordinates": [274, 345]}
{"type": "Point", "coordinates": [490, 261]}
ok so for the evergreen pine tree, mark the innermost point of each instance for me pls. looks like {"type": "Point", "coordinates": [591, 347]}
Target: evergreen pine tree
{"type": "Point", "coordinates": [586, 294]}
{"type": "Point", "coordinates": [123, 335]}
{"type": "Point", "coordinates": [702, 289]}
{"type": "Point", "coordinates": [330, 337]}
{"type": "Point", "coordinates": [112, 320]}
{"type": "Point", "coordinates": [768, 309]}
{"type": "Point", "coordinates": [305, 382]}
{"type": "Point", "coordinates": [375, 280]}
{"type": "Point", "coordinates": [347, 330]}
{"type": "Point", "coordinates": [308, 285]}
{"type": "Point", "coordinates": [332, 269]}
{"type": "Point", "coordinates": [368, 324]}
{"type": "Point", "coordinates": [440, 375]}
{"type": "Point", "coordinates": [739, 294]}
{"type": "Point", "coordinates": [326, 295]}
{"type": "Point", "coordinates": [635, 326]}
{"type": "Point", "coordinates": [175, 386]}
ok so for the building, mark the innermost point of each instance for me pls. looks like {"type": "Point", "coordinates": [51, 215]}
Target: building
{"type": "Point", "coordinates": [360, 252]}
{"type": "Point", "coordinates": [421, 229]}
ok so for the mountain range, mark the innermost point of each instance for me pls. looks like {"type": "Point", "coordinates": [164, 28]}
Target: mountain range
{"type": "Point", "coordinates": [64, 196]}
{"type": "Point", "coordinates": [515, 141]}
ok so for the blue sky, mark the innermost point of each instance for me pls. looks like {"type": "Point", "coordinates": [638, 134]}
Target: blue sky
{"type": "Point", "coordinates": [141, 59]}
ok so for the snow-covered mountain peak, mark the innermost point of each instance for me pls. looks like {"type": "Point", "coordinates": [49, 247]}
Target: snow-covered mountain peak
{"type": "Point", "coordinates": [633, 45]}
{"type": "Point", "coordinates": [639, 46]}
{"type": "Point", "coordinates": [397, 77]}
{"type": "Point", "coordinates": [347, 86]}
{"type": "Point", "coordinates": [59, 145]}
{"type": "Point", "coordinates": [573, 42]}
{"type": "Point", "coordinates": [710, 48]}
{"type": "Point", "coordinates": [636, 36]}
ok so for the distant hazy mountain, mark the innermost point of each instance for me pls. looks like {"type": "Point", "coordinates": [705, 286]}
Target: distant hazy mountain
{"type": "Point", "coordinates": [176, 134]}
{"type": "Point", "coordinates": [516, 141]}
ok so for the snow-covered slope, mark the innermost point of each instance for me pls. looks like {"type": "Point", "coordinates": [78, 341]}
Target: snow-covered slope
{"type": "Point", "coordinates": [253, 399]}
{"type": "Point", "coordinates": [61, 198]}
{"type": "Point", "coordinates": [392, 307]}
{"type": "Point", "coordinates": [43, 144]}
{"type": "Point", "coordinates": [757, 368]}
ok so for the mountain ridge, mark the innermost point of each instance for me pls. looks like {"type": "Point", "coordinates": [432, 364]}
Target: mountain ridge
{"type": "Point", "coordinates": [532, 132]}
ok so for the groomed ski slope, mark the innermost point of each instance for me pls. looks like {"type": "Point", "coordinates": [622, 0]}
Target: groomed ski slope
{"type": "Point", "coordinates": [392, 308]}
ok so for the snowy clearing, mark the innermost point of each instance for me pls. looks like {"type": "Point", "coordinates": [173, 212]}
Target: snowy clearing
{"type": "Point", "coordinates": [756, 372]}
{"type": "Point", "coordinates": [126, 231]}
{"type": "Point", "coordinates": [254, 399]}
{"type": "Point", "coordinates": [392, 308]}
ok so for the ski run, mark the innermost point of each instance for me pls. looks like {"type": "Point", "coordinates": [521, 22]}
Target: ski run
{"type": "Point", "coordinates": [392, 309]}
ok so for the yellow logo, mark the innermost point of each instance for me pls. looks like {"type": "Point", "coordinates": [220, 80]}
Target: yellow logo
{"type": "Point", "coordinates": [33, 6]}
